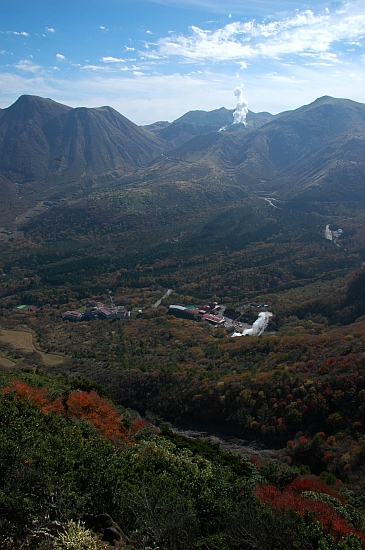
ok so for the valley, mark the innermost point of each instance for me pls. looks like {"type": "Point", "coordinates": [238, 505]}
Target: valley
{"type": "Point", "coordinates": [140, 233]}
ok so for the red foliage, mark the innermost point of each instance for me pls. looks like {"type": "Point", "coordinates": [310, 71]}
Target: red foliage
{"type": "Point", "coordinates": [90, 406]}
{"type": "Point", "coordinates": [57, 406]}
{"type": "Point", "coordinates": [137, 425]}
{"type": "Point", "coordinates": [255, 461]}
{"type": "Point", "coordinates": [291, 498]}
{"type": "Point", "coordinates": [316, 485]}
{"type": "Point", "coordinates": [97, 410]}
{"type": "Point", "coordinates": [24, 391]}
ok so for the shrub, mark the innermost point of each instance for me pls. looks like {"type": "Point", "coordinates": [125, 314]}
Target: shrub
{"type": "Point", "coordinates": [78, 538]}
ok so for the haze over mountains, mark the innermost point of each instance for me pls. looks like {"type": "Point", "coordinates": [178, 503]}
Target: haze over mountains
{"type": "Point", "coordinates": [315, 152]}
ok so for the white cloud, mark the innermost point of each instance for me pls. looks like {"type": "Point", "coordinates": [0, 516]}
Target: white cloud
{"type": "Point", "coordinates": [145, 99]}
{"type": "Point", "coordinates": [16, 85]}
{"type": "Point", "coordinates": [287, 61]}
{"type": "Point", "coordinates": [112, 60]}
{"type": "Point", "coordinates": [23, 33]}
{"type": "Point", "coordinates": [27, 66]}
{"type": "Point", "coordinates": [304, 32]}
{"type": "Point", "coordinates": [50, 29]}
{"type": "Point", "coordinates": [94, 67]}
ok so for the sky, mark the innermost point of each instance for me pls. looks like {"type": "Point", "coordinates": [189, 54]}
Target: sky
{"type": "Point", "coordinates": [155, 60]}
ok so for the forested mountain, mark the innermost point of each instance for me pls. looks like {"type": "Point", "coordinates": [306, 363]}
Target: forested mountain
{"type": "Point", "coordinates": [197, 123]}
{"type": "Point", "coordinates": [41, 139]}
{"type": "Point", "coordinates": [307, 153]}
{"type": "Point", "coordinates": [256, 222]}
{"type": "Point", "coordinates": [78, 473]}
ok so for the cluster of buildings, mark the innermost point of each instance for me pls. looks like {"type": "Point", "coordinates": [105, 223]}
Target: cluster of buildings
{"type": "Point", "coordinates": [207, 313]}
{"type": "Point", "coordinates": [97, 310]}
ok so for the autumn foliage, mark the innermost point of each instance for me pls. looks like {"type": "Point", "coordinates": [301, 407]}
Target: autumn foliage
{"type": "Point", "coordinates": [79, 404]}
{"type": "Point", "coordinates": [295, 497]}
{"type": "Point", "coordinates": [24, 391]}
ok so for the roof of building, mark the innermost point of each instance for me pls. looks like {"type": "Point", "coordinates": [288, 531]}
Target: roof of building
{"type": "Point", "coordinates": [213, 319]}
{"type": "Point", "coordinates": [95, 303]}
{"type": "Point", "coordinates": [105, 311]}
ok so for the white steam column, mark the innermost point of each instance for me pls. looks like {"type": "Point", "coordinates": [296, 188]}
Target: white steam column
{"type": "Point", "coordinates": [258, 327]}
{"type": "Point", "coordinates": [239, 115]}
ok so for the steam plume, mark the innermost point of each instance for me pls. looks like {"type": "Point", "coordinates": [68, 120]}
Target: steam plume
{"type": "Point", "coordinates": [258, 327]}
{"type": "Point", "coordinates": [239, 115]}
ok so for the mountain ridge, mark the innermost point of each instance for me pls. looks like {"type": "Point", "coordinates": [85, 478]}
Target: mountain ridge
{"type": "Point", "coordinates": [52, 140]}
{"type": "Point", "coordinates": [312, 153]}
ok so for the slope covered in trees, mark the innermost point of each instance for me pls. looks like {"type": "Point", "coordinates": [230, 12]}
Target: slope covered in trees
{"type": "Point", "coordinates": [188, 223]}
{"type": "Point", "coordinates": [161, 490]}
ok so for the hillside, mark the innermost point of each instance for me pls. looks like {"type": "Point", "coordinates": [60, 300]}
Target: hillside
{"type": "Point", "coordinates": [77, 472]}
{"type": "Point", "coordinates": [55, 152]}
{"type": "Point", "coordinates": [197, 123]}
{"type": "Point", "coordinates": [259, 222]}
{"type": "Point", "coordinates": [41, 139]}
{"type": "Point", "coordinates": [308, 153]}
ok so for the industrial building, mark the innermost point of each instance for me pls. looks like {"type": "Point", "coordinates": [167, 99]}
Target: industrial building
{"type": "Point", "coordinates": [73, 316]}
{"type": "Point", "coordinates": [194, 314]}
{"type": "Point", "coordinates": [94, 310]}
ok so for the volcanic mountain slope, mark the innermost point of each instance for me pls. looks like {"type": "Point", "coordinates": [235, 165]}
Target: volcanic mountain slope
{"type": "Point", "coordinates": [197, 123]}
{"type": "Point", "coordinates": [23, 145]}
{"type": "Point", "coordinates": [315, 152]}
{"type": "Point", "coordinates": [41, 139]}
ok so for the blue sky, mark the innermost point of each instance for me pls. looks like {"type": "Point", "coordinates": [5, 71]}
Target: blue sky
{"type": "Point", "coordinates": [157, 59]}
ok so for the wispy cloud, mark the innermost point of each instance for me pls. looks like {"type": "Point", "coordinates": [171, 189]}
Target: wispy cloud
{"type": "Point", "coordinates": [147, 98]}
{"type": "Point", "coordinates": [284, 59]}
{"type": "Point", "coordinates": [28, 66]}
{"type": "Point", "coordinates": [112, 60]}
{"type": "Point", "coordinates": [91, 67]}
{"type": "Point", "coordinates": [22, 33]}
{"type": "Point", "coordinates": [246, 41]}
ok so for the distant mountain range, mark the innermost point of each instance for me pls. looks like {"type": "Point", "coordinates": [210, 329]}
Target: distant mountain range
{"type": "Point", "coordinates": [315, 152]}
{"type": "Point", "coordinates": [197, 123]}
